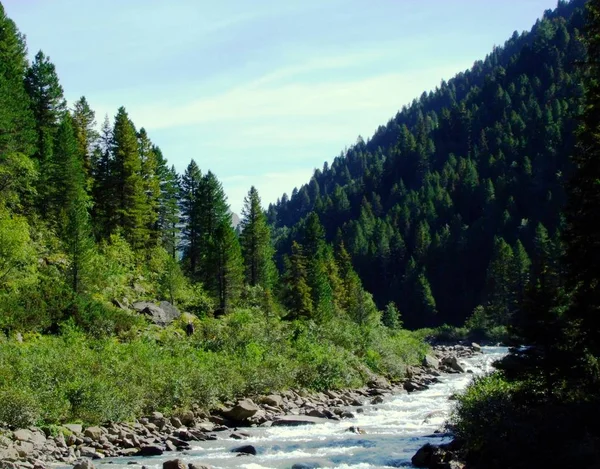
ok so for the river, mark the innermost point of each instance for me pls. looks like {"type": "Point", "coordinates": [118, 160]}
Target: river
{"type": "Point", "coordinates": [394, 430]}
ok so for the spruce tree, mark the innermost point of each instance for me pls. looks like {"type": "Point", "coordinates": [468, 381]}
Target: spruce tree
{"type": "Point", "coordinates": [103, 187]}
{"type": "Point", "coordinates": [48, 105]}
{"type": "Point", "coordinates": [255, 240]}
{"type": "Point", "coordinates": [17, 125]}
{"type": "Point", "coordinates": [84, 124]}
{"type": "Point", "coordinates": [190, 211]}
{"type": "Point", "coordinates": [296, 293]}
{"type": "Point", "coordinates": [391, 316]}
{"type": "Point", "coordinates": [132, 202]}
{"type": "Point", "coordinates": [151, 186]}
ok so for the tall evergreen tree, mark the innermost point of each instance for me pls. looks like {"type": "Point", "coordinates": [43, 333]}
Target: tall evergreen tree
{"type": "Point", "coordinates": [84, 123]}
{"type": "Point", "coordinates": [255, 240]}
{"type": "Point", "coordinates": [191, 218]}
{"type": "Point", "coordinates": [48, 105]}
{"type": "Point", "coordinates": [151, 186]}
{"type": "Point", "coordinates": [103, 187]}
{"type": "Point", "coordinates": [132, 202]}
{"type": "Point", "coordinates": [17, 126]}
{"type": "Point", "coordinates": [296, 295]}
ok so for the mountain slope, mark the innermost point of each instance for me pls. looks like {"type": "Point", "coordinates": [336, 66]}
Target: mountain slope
{"type": "Point", "coordinates": [445, 207]}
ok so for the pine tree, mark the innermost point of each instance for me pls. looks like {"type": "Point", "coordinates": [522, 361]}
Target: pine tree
{"type": "Point", "coordinates": [103, 187]}
{"type": "Point", "coordinates": [84, 123]}
{"type": "Point", "coordinates": [48, 105]}
{"type": "Point", "coordinates": [255, 240]}
{"type": "Point", "coordinates": [169, 212]}
{"type": "Point", "coordinates": [151, 186]}
{"type": "Point", "coordinates": [228, 267]}
{"type": "Point", "coordinates": [17, 125]}
{"type": "Point", "coordinates": [296, 294]}
{"type": "Point", "coordinates": [132, 202]}
{"type": "Point", "coordinates": [66, 177]}
{"type": "Point", "coordinates": [499, 283]}
{"type": "Point", "coordinates": [191, 217]}
{"type": "Point", "coordinates": [220, 261]}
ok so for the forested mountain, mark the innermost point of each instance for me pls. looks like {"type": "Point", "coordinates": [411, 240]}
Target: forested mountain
{"type": "Point", "coordinates": [447, 207]}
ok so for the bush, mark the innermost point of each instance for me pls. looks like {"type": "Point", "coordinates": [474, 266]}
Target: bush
{"type": "Point", "coordinates": [18, 408]}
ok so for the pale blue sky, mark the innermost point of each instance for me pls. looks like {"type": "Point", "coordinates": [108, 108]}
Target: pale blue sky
{"type": "Point", "coordinates": [259, 91]}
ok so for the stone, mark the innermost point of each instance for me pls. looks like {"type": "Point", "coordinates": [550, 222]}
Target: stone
{"type": "Point", "coordinates": [95, 433]}
{"type": "Point", "coordinates": [242, 410]}
{"type": "Point", "coordinates": [239, 435]}
{"type": "Point", "coordinates": [431, 362]}
{"type": "Point", "coordinates": [169, 446]}
{"type": "Point", "coordinates": [74, 427]}
{"type": "Point", "coordinates": [24, 448]}
{"type": "Point", "coordinates": [199, 466]}
{"type": "Point", "coordinates": [150, 450]}
{"type": "Point", "coordinates": [188, 419]}
{"type": "Point", "coordinates": [9, 453]}
{"type": "Point", "coordinates": [297, 420]}
{"type": "Point", "coordinates": [174, 464]}
{"type": "Point", "coordinates": [23, 435]}
{"type": "Point", "coordinates": [83, 464]}
{"type": "Point", "coordinates": [273, 400]}
{"type": "Point", "coordinates": [422, 457]}
{"type": "Point", "coordinates": [306, 465]}
{"type": "Point", "coordinates": [118, 304]}
{"type": "Point", "coordinates": [155, 313]}
{"type": "Point", "coordinates": [357, 430]}
{"type": "Point", "coordinates": [176, 422]}
{"type": "Point", "coordinates": [88, 452]}
{"type": "Point", "coordinates": [316, 413]}
{"type": "Point", "coordinates": [476, 347]}
{"type": "Point", "coordinates": [246, 449]}
{"type": "Point", "coordinates": [452, 363]}
{"type": "Point", "coordinates": [171, 311]}
{"type": "Point", "coordinates": [377, 400]}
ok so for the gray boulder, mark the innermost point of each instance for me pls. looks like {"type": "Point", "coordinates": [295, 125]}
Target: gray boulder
{"type": "Point", "coordinates": [273, 400]}
{"type": "Point", "coordinates": [171, 311]}
{"type": "Point", "coordinates": [156, 314]}
{"type": "Point", "coordinates": [73, 427]}
{"type": "Point", "coordinates": [83, 464]}
{"type": "Point", "coordinates": [242, 410]}
{"type": "Point", "coordinates": [431, 362]}
{"type": "Point", "coordinates": [95, 433]}
{"type": "Point", "coordinates": [452, 363]}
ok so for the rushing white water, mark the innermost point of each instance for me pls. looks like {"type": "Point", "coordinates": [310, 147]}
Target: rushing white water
{"type": "Point", "coordinates": [395, 429]}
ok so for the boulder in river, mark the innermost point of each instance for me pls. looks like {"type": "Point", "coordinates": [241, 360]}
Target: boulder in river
{"type": "Point", "coordinates": [431, 362]}
{"type": "Point", "coordinates": [297, 420]}
{"type": "Point", "coordinates": [174, 464]}
{"type": "Point", "coordinates": [452, 362]}
{"type": "Point", "coordinates": [246, 449]}
{"type": "Point", "coordinates": [150, 450]}
{"type": "Point", "coordinates": [83, 464]}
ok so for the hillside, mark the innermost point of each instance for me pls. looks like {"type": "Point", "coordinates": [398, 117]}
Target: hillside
{"type": "Point", "coordinates": [446, 207]}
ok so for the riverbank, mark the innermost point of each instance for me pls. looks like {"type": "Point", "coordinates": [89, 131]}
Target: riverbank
{"type": "Point", "coordinates": [157, 434]}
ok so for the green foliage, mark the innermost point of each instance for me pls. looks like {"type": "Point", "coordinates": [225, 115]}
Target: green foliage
{"type": "Point", "coordinates": [16, 253]}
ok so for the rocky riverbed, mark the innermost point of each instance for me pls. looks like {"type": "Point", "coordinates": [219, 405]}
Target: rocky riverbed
{"type": "Point", "coordinates": [156, 434]}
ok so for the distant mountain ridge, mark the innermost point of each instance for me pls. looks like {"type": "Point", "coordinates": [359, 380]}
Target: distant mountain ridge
{"type": "Point", "coordinates": [425, 205]}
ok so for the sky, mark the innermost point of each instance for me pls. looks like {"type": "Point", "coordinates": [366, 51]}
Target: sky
{"type": "Point", "coordinates": [262, 92]}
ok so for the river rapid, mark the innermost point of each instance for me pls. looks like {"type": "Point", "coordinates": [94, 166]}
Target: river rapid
{"type": "Point", "coordinates": [394, 430]}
